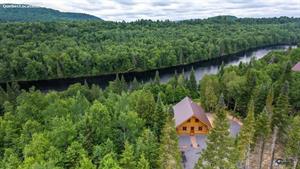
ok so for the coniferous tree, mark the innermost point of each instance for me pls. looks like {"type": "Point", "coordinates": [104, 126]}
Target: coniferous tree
{"type": "Point", "coordinates": [157, 78]}
{"type": "Point", "coordinates": [293, 141]}
{"type": "Point", "coordinates": [280, 117]}
{"type": "Point", "coordinates": [142, 163]}
{"type": "Point", "coordinates": [135, 84]}
{"type": "Point", "coordinates": [169, 154]}
{"type": "Point", "coordinates": [220, 151]}
{"type": "Point", "coordinates": [109, 162]}
{"type": "Point", "coordinates": [221, 71]}
{"type": "Point", "coordinates": [160, 115]}
{"type": "Point", "coordinates": [145, 106]}
{"type": "Point", "coordinates": [127, 157]}
{"type": "Point", "coordinates": [116, 85]}
{"type": "Point", "coordinates": [262, 132]}
{"type": "Point", "coordinates": [269, 102]}
{"type": "Point", "coordinates": [282, 108]}
{"type": "Point", "coordinates": [101, 150]}
{"type": "Point", "coordinates": [245, 138]}
{"type": "Point", "coordinates": [85, 163]}
{"type": "Point", "coordinates": [192, 84]}
{"type": "Point", "coordinates": [147, 144]}
{"type": "Point", "coordinates": [123, 84]}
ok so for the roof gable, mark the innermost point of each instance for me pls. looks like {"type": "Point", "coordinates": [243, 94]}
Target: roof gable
{"type": "Point", "coordinates": [296, 68]}
{"type": "Point", "coordinates": [186, 109]}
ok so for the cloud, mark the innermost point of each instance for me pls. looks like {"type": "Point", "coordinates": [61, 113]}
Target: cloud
{"type": "Point", "coordinates": [130, 10]}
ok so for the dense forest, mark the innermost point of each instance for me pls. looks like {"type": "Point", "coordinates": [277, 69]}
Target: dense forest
{"type": "Point", "coordinates": [28, 13]}
{"type": "Point", "coordinates": [122, 127]}
{"type": "Point", "coordinates": [45, 50]}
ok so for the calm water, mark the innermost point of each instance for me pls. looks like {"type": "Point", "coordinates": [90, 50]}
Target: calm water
{"type": "Point", "coordinates": [212, 66]}
{"type": "Point", "coordinates": [201, 68]}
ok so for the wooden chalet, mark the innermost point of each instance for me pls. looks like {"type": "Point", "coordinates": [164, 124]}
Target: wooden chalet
{"type": "Point", "coordinates": [190, 118]}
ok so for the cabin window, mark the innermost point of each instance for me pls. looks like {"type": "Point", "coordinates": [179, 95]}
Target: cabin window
{"type": "Point", "coordinates": [200, 128]}
{"type": "Point", "coordinates": [192, 128]}
{"type": "Point", "coordinates": [189, 120]}
{"type": "Point", "coordinates": [197, 120]}
{"type": "Point", "coordinates": [184, 128]}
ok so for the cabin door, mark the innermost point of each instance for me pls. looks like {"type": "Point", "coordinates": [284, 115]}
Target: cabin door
{"type": "Point", "coordinates": [192, 130]}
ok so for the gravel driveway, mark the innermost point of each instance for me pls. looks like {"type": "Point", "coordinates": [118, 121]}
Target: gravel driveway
{"type": "Point", "coordinates": [192, 154]}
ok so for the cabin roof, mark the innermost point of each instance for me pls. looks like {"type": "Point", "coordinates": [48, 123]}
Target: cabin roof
{"type": "Point", "coordinates": [296, 68]}
{"type": "Point", "coordinates": [186, 109]}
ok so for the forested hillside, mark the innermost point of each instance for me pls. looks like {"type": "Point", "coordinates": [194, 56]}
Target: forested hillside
{"type": "Point", "coordinates": [85, 127]}
{"type": "Point", "coordinates": [27, 13]}
{"type": "Point", "coordinates": [30, 51]}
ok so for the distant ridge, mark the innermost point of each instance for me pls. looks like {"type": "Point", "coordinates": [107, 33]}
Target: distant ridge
{"type": "Point", "coordinates": [28, 13]}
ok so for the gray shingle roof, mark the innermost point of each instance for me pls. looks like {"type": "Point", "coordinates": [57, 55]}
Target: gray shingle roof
{"type": "Point", "coordinates": [296, 68]}
{"type": "Point", "coordinates": [186, 109]}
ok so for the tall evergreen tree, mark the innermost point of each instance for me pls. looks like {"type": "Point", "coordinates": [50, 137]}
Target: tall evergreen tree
{"type": "Point", "coordinates": [142, 163]}
{"type": "Point", "coordinates": [192, 84]}
{"type": "Point", "coordinates": [269, 102]}
{"type": "Point", "coordinates": [220, 151]}
{"type": "Point", "coordinates": [293, 141]}
{"type": "Point", "coordinates": [127, 157]}
{"type": "Point", "coordinates": [147, 144]}
{"type": "Point", "coordinates": [262, 132]}
{"type": "Point", "coordinates": [109, 162]}
{"type": "Point", "coordinates": [157, 78]}
{"type": "Point", "coordinates": [101, 150]}
{"type": "Point", "coordinates": [282, 108]}
{"type": "Point", "coordinates": [135, 84]}
{"type": "Point", "coordinates": [169, 154]}
{"type": "Point", "coordinates": [246, 136]}
{"type": "Point", "coordinates": [116, 85]}
{"type": "Point", "coordinates": [160, 115]}
{"type": "Point", "coordinates": [123, 84]}
{"type": "Point", "coordinates": [85, 163]}
{"type": "Point", "coordinates": [280, 117]}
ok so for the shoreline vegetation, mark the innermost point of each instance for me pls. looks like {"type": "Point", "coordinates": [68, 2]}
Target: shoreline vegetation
{"type": "Point", "coordinates": [54, 50]}
{"type": "Point", "coordinates": [150, 70]}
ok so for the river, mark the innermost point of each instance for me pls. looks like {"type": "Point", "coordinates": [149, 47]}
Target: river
{"type": "Point", "coordinates": [212, 66]}
{"type": "Point", "coordinates": [201, 68]}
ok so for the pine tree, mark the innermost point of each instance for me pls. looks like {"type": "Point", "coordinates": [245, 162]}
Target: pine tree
{"type": "Point", "coordinates": [160, 115]}
{"type": "Point", "coordinates": [85, 163]}
{"type": "Point", "coordinates": [101, 150]}
{"type": "Point", "coordinates": [221, 71]}
{"type": "Point", "coordinates": [135, 84]}
{"type": "Point", "coordinates": [220, 151]}
{"type": "Point", "coordinates": [269, 102]}
{"type": "Point", "coordinates": [127, 158]}
{"type": "Point", "coordinates": [192, 84]}
{"type": "Point", "coordinates": [262, 132]}
{"type": "Point", "coordinates": [123, 84]}
{"type": "Point", "coordinates": [142, 163]}
{"type": "Point", "coordinates": [157, 78]}
{"type": "Point", "coordinates": [169, 154]}
{"type": "Point", "coordinates": [147, 144]}
{"type": "Point", "coordinates": [246, 136]}
{"type": "Point", "coordinates": [109, 162]}
{"type": "Point", "coordinates": [282, 108]}
{"type": "Point", "coordinates": [293, 141]}
{"type": "Point", "coordinates": [279, 117]}
{"type": "Point", "coordinates": [115, 86]}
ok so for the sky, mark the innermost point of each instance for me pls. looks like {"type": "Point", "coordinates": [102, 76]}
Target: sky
{"type": "Point", "coordinates": [131, 10]}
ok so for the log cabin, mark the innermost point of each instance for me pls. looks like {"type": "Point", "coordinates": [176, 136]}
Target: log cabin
{"type": "Point", "coordinates": [296, 68]}
{"type": "Point", "coordinates": [190, 118]}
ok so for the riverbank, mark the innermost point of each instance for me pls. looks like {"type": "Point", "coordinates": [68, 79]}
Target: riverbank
{"type": "Point", "coordinates": [205, 67]}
